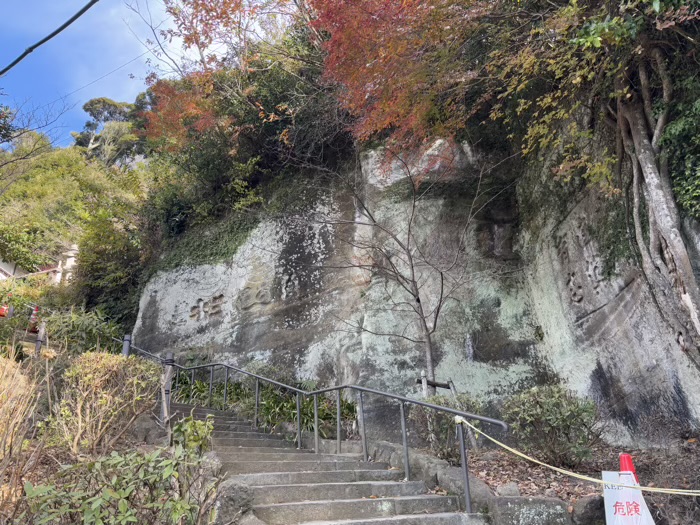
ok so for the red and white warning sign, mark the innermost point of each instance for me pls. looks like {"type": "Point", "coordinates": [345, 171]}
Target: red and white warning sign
{"type": "Point", "coordinates": [624, 505]}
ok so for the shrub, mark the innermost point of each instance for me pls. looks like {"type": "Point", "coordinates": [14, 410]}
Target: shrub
{"type": "Point", "coordinates": [277, 406]}
{"type": "Point", "coordinates": [79, 330]}
{"type": "Point", "coordinates": [162, 487]}
{"type": "Point", "coordinates": [439, 427]}
{"type": "Point", "coordinates": [194, 434]}
{"type": "Point", "coordinates": [554, 423]}
{"type": "Point", "coordinates": [109, 265]}
{"type": "Point", "coordinates": [102, 396]}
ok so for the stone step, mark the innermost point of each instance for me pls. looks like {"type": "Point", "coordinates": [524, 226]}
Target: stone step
{"type": "Point", "coordinates": [329, 476]}
{"type": "Point", "coordinates": [244, 454]}
{"type": "Point", "coordinates": [221, 436]}
{"type": "Point", "coordinates": [242, 451]}
{"type": "Point", "coordinates": [228, 419]}
{"type": "Point", "coordinates": [250, 467]}
{"type": "Point", "coordinates": [225, 420]}
{"type": "Point", "coordinates": [442, 518]}
{"type": "Point", "coordinates": [329, 510]}
{"type": "Point", "coordinates": [217, 415]}
{"type": "Point", "coordinates": [183, 407]}
{"type": "Point", "coordinates": [335, 491]}
{"type": "Point", "coordinates": [272, 443]}
{"type": "Point", "coordinates": [234, 427]}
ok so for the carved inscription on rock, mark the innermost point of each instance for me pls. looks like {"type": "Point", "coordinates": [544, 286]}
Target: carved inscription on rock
{"type": "Point", "coordinates": [205, 310]}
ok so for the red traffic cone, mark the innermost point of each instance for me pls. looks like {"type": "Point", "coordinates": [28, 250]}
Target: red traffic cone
{"type": "Point", "coordinates": [626, 465]}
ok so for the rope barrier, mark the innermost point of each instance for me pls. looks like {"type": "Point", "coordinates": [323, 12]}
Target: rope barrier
{"type": "Point", "coordinates": [678, 492]}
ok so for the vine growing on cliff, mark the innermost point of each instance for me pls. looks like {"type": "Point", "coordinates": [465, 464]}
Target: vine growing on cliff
{"type": "Point", "coordinates": [593, 65]}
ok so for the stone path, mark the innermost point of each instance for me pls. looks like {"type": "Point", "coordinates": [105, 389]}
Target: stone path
{"type": "Point", "coordinates": [298, 487]}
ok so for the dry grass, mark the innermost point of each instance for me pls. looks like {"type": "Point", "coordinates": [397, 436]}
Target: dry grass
{"type": "Point", "coordinates": [18, 396]}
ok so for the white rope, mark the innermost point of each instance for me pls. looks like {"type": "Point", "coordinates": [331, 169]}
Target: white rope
{"type": "Point", "coordinates": [678, 492]}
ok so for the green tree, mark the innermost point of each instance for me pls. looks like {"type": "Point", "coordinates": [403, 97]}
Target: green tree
{"type": "Point", "coordinates": [6, 127]}
{"type": "Point", "coordinates": [109, 265]}
{"type": "Point", "coordinates": [109, 135]}
{"type": "Point", "coordinates": [53, 199]}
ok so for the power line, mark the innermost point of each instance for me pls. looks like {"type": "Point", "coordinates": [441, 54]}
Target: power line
{"type": "Point", "coordinates": [49, 37]}
{"type": "Point", "coordinates": [63, 97]}
{"type": "Point", "coordinates": [151, 50]}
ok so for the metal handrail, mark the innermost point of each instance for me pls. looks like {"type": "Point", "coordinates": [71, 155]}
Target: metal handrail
{"type": "Point", "coordinates": [169, 361]}
{"type": "Point", "coordinates": [128, 346]}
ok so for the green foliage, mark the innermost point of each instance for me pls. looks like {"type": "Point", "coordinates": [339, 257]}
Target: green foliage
{"type": "Point", "coordinates": [6, 127]}
{"type": "Point", "coordinates": [68, 328]}
{"type": "Point", "coordinates": [102, 396]}
{"type": "Point", "coordinates": [162, 487]}
{"type": "Point", "coordinates": [609, 31]}
{"type": "Point", "coordinates": [79, 330]}
{"type": "Point", "coordinates": [682, 141]}
{"type": "Point", "coordinates": [555, 424]}
{"type": "Point", "coordinates": [199, 186]}
{"type": "Point", "coordinates": [207, 243]}
{"type": "Point", "coordinates": [109, 136]}
{"type": "Point", "coordinates": [104, 109]}
{"type": "Point", "coordinates": [194, 435]}
{"type": "Point", "coordinates": [22, 295]}
{"type": "Point", "coordinates": [109, 266]}
{"type": "Point", "coordinates": [277, 405]}
{"type": "Point", "coordinates": [46, 204]}
{"type": "Point", "coordinates": [18, 246]}
{"type": "Point", "coordinates": [439, 427]}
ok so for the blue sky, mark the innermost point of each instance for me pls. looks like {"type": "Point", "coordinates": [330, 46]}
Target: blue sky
{"type": "Point", "coordinates": [96, 44]}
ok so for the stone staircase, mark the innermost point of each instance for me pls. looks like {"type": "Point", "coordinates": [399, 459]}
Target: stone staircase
{"type": "Point", "coordinates": [298, 487]}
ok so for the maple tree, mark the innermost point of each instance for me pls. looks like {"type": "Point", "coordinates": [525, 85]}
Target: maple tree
{"type": "Point", "coordinates": [181, 110]}
{"type": "Point", "coordinates": [228, 32]}
{"type": "Point", "coordinates": [405, 66]}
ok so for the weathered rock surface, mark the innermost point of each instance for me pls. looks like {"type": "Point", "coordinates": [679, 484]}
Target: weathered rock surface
{"type": "Point", "coordinates": [509, 489]}
{"type": "Point", "coordinates": [234, 501]}
{"type": "Point", "coordinates": [528, 511]}
{"type": "Point", "coordinates": [537, 306]}
{"type": "Point", "coordinates": [589, 511]}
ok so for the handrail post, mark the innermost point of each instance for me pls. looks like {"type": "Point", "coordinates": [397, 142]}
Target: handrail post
{"type": "Point", "coordinates": [211, 384]}
{"type": "Point", "coordinates": [168, 363]}
{"type": "Point", "coordinates": [316, 423]}
{"type": "Point", "coordinates": [257, 402]}
{"type": "Point", "coordinates": [406, 464]}
{"type": "Point", "coordinates": [176, 383]}
{"type": "Point", "coordinates": [339, 423]}
{"type": "Point", "coordinates": [424, 383]}
{"type": "Point", "coordinates": [363, 432]}
{"type": "Point", "coordinates": [126, 345]}
{"type": "Point", "coordinates": [40, 339]}
{"type": "Point", "coordinates": [465, 468]}
{"type": "Point", "coordinates": [298, 420]}
{"type": "Point", "coordinates": [226, 389]}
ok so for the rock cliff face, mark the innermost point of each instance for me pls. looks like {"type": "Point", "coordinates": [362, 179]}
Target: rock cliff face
{"type": "Point", "coordinates": [536, 304]}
